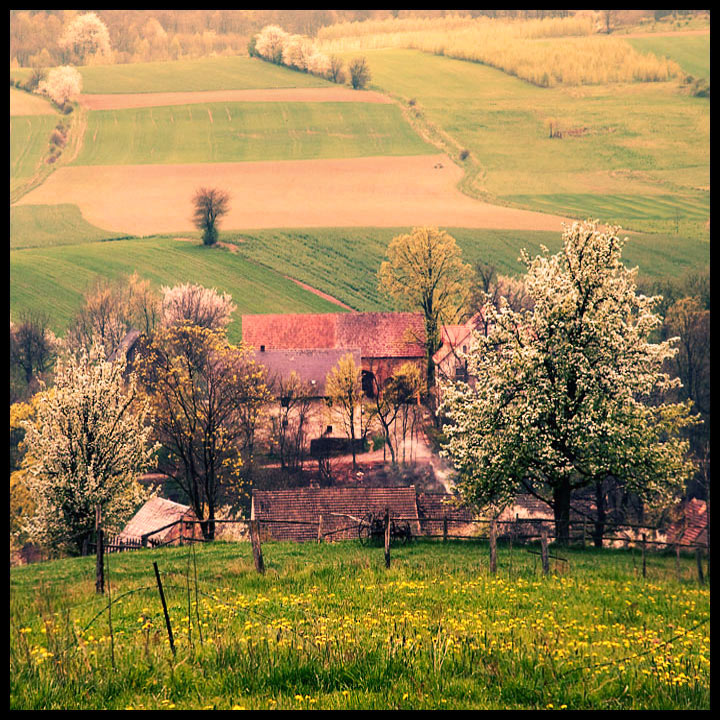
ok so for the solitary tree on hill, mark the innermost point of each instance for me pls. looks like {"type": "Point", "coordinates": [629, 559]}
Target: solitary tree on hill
{"type": "Point", "coordinates": [210, 205]}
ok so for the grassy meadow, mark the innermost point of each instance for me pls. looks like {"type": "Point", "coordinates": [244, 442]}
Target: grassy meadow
{"type": "Point", "coordinates": [238, 132]}
{"type": "Point", "coordinates": [342, 262]}
{"type": "Point", "coordinates": [64, 273]}
{"type": "Point", "coordinates": [645, 140]}
{"type": "Point", "coordinates": [690, 52]}
{"type": "Point", "coordinates": [29, 144]}
{"type": "Point", "coordinates": [219, 73]}
{"type": "Point", "coordinates": [329, 627]}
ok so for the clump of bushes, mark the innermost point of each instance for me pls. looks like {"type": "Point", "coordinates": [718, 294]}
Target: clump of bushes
{"type": "Point", "coordinates": [296, 52]}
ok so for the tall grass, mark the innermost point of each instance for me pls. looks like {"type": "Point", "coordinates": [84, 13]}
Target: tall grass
{"type": "Point", "coordinates": [328, 627]}
{"type": "Point", "coordinates": [574, 56]}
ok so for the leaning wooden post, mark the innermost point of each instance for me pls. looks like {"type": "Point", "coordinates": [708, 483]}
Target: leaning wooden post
{"type": "Point", "coordinates": [257, 550]}
{"type": "Point", "coordinates": [677, 561]}
{"type": "Point", "coordinates": [445, 533]}
{"type": "Point", "coordinates": [320, 525]}
{"type": "Point", "coordinates": [644, 563]}
{"type": "Point", "coordinates": [698, 558]}
{"type": "Point", "coordinates": [387, 537]}
{"type": "Point", "coordinates": [493, 546]}
{"type": "Point", "coordinates": [165, 610]}
{"type": "Point", "coordinates": [544, 550]}
{"type": "Point", "coordinates": [99, 553]}
{"type": "Point", "coordinates": [584, 540]}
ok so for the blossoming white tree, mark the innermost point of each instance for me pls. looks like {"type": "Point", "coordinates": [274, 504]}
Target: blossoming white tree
{"type": "Point", "coordinates": [196, 305]}
{"type": "Point", "coordinates": [62, 84]}
{"type": "Point", "coordinates": [87, 39]}
{"type": "Point", "coordinates": [89, 442]}
{"type": "Point", "coordinates": [270, 42]}
{"type": "Point", "coordinates": [570, 393]}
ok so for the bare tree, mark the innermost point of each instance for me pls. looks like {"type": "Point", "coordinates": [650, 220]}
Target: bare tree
{"type": "Point", "coordinates": [210, 205]}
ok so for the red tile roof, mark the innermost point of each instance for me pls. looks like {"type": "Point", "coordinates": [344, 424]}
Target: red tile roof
{"type": "Point", "coordinates": [377, 335]}
{"type": "Point", "coordinates": [691, 527]}
{"type": "Point", "coordinates": [293, 514]}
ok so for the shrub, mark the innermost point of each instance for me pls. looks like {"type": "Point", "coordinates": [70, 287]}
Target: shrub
{"type": "Point", "coordinates": [359, 73]}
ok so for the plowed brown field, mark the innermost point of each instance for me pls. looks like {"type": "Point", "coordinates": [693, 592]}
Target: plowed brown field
{"type": "Point", "coordinates": [379, 191]}
{"type": "Point", "coordinates": [121, 101]}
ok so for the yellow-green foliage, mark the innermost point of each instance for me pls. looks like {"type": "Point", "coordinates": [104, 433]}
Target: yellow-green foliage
{"type": "Point", "coordinates": [573, 56]}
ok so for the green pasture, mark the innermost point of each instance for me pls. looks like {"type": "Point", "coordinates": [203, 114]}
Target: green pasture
{"type": "Point", "coordinates": [219, 73]}
{"type": "Point", "coordinates": [691, 52]}
{"type": "Point", "coordinates": [234, 132]}
{"type": "Point", "coordinates": [342, 262]}
{"type": "Point", "coordinates": [45, 225]}
{"type": "Point", "coordinates": [647, 140]}
{"type": "Point", "coordinates": [53, 279]}
{"type": "Point", "coordinates": [329, 627]}
{"type": "Point", "coordinates": [29, 144]}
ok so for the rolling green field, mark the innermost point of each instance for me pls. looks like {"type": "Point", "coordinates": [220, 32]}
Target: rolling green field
{"type": "Point", "coordinates": [29, 141]}
{"type": "Point", "coordinates": [329, 627]}
{"type": "Point", "coordinates": [64, 273]}
{"type": "Point", "coordinates": [220, 73]}
{"type": "Point", "coordinates": [342, 262]}
{"type": "Point", "coordinates": [647, 140]}
{"type": "Point", "coordinates": [46, 225]}
{"type": "Point", "coordinates": [236, 132]}
{"type": "Point", "coordinates": [691, 52]}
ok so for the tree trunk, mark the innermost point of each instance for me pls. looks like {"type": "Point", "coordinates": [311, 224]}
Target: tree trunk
{"type": "Point", "coordinates": [561, 510]}
{"type": "Point", "coordinates": [600, 519]}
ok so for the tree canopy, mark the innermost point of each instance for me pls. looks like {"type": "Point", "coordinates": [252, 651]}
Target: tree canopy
{"type": "Point", "coordinates": [425, 271]}
{"type": "Point", "coordinates": [571, 392]}
{"type": "Point", "coordinates": [88, 442]}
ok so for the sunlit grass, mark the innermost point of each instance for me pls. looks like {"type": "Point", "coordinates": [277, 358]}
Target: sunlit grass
{"type": "Point", "coordinates": [328, 627]}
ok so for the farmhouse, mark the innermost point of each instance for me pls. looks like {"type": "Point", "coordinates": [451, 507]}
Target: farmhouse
{"type": "Point", "coordinates": [384, 341]}
{"type": "Point", "coordinates": [450, 363]}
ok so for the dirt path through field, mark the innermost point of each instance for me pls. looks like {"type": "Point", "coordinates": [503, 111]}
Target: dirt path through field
{"type": "Point", "coordinates": [121, 101]}
{"type": "Point", "coordinates": [362, 192]}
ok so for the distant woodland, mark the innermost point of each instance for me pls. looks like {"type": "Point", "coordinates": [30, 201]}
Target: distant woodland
{"type": "Point", "coordinates": [157, 35]}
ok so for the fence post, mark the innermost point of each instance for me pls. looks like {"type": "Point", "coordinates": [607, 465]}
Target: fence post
{"type": "Point", "coordinates": [544, 550]}
{"type": "Point", "coordinates": [445, 533]}
{"type": "Point", "coordinates": [644, 563]}
{"type": "Point", "coordinates": [165, 610]}
{"type": "Point", "coordinates": [319, 533]}
{"type": "Point", "coordinates": [493, 546]}
{"type": "Point", "coordinates": [99, 553]}
{"type": "Point", "coordinates": [698, 558]}
{"type": "Point", "coordinates": [257, 550]}
{"type": "Point", "coordinates": [584, 531]}
{"type": "Point", "coordinates": [387, 537]}
{"type": "Point", "coordinates": [677, 560]}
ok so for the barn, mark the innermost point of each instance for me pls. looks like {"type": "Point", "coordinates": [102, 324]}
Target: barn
{"type": "Point", "coordinates": [384, 341]}
{"type": "Point", "coordinates": [294, 514]}
{"type": "Point", "coordinates": [162, 518]}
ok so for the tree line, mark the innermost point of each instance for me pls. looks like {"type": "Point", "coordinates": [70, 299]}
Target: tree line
{"type": "Point", "coordinates": [156, 35]}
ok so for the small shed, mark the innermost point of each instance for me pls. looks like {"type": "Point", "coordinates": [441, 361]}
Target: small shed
{"type": "Point", "coordinates": [155, 516]}
{"type": "Point", "coordinates": [294, 514]}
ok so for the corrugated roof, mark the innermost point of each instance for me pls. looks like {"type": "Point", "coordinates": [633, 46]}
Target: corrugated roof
{"type": "Point", "coordinates": [154, 514]}
{"type": "Point", "coordinates": [294, 513]}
